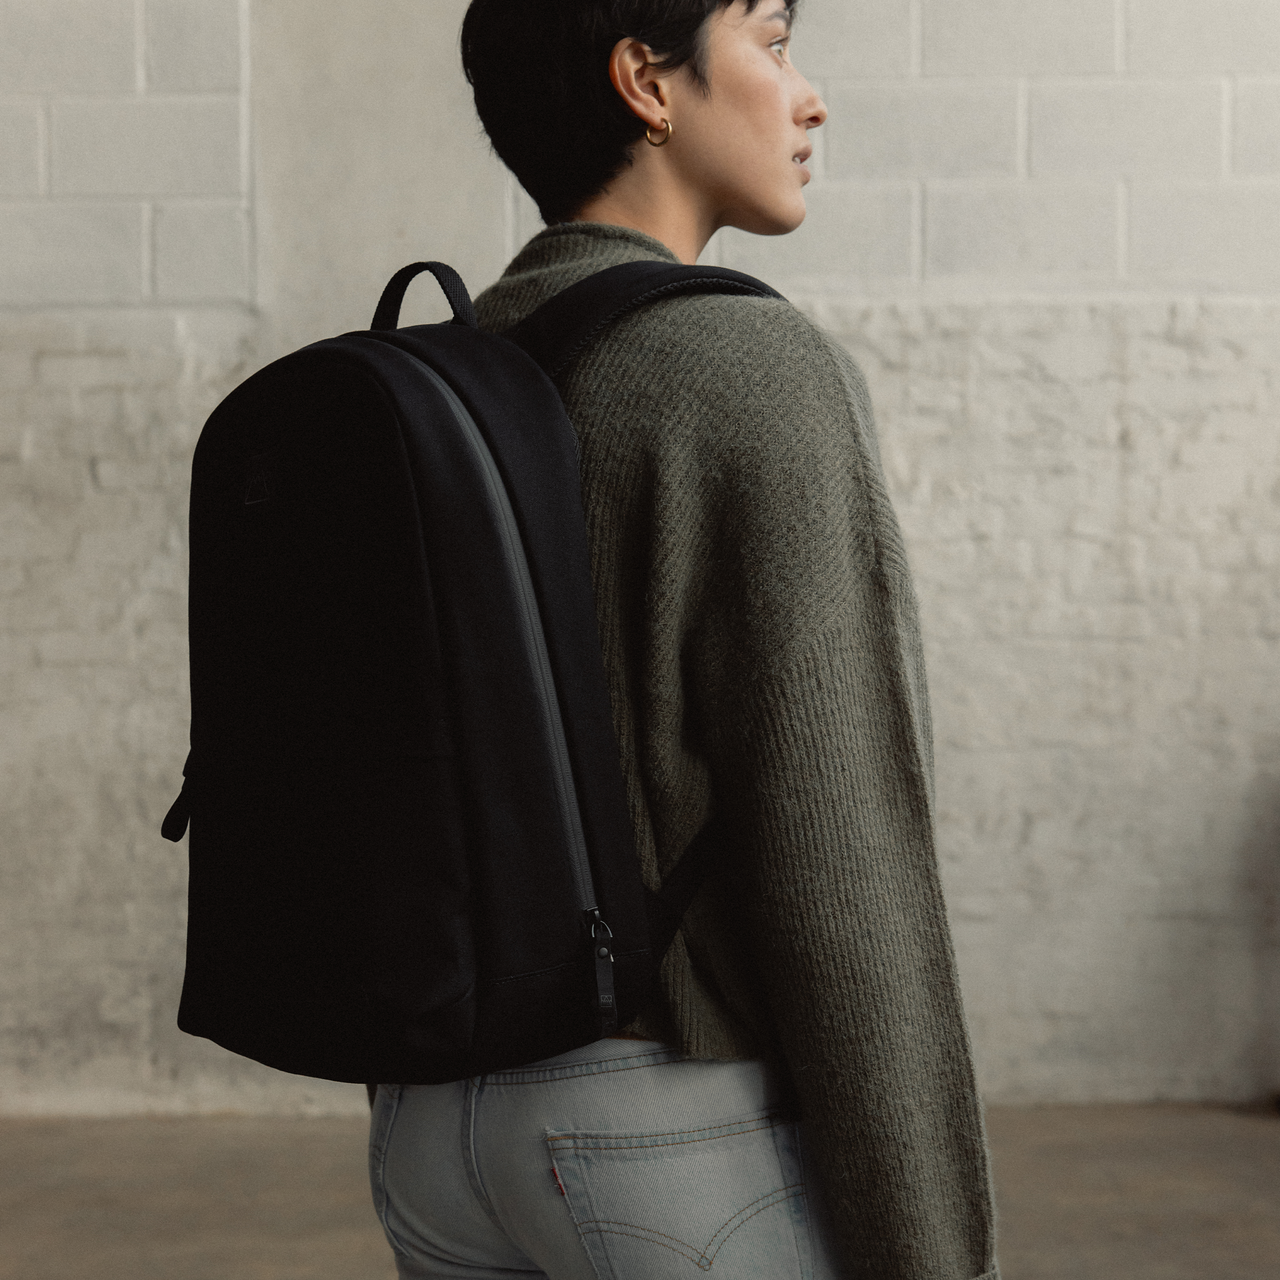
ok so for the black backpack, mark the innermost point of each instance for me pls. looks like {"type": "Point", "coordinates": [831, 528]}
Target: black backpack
{"type": "Point", "coordinates": [411, 854]}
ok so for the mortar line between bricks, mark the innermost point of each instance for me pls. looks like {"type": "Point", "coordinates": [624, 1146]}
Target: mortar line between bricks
{"type": "Point", "coordinates": [247, 184]}
{"type": "Point", "coordinates": [1022, 128]}
{"type": "Point", "coordinates": [935, 295]}
{"type": "Point", "coordinates": [171, 98]}
{"type": "Point", "coordinates": [1122, 229]}
{"type": "Point", "coordinates": [917, 231]}
{"type": "Point", "coordinates": [139, 47]}
{"type": "Point", "coordinates": [116, 199]}
{"type": "Point", "coordinates": [148, 249]}
{"type": "Point", "coordinates": [44, 159]}
{"type": "Point", "coordinates": [1229, 84]}
{"type": "Point", "coordinates": [1122, 37]}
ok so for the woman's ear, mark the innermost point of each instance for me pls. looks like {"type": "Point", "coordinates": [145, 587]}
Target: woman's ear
{"type": "Point", "coordinates": [637, 81]}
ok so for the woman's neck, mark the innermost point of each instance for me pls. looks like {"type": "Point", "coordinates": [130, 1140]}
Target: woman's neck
{"type": "Point", "coordinates": [644, 198]}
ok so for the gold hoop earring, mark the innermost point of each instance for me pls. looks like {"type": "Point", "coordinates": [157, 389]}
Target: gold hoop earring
{"type": "Point", "coordinates": [661, 142]}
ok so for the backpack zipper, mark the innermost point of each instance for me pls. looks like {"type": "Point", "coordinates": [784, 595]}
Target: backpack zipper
{"type": "Point", "coordinates": [598, 932]}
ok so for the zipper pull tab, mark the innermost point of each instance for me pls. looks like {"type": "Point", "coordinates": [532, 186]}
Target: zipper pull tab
{"type": "Point", "coordinates": [602, 951]}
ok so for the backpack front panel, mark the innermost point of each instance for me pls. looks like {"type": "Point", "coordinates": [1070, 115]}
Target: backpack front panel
{"type": "Point", "coordinates": [330, 900]}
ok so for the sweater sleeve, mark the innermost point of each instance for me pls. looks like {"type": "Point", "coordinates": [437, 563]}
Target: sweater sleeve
{"type": "Point", "coordinates": [805, 686]}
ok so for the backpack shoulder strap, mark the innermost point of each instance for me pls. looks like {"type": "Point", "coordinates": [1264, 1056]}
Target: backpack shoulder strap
{"type": "Point", "coordinates": [554, 335]}
{"type": "Point", "coordinates": [561, 328]}
{"type": "Point", "coordinates": [665, 907]}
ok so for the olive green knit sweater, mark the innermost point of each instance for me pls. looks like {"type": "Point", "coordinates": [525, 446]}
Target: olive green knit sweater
{"type": "Point", "coordinates": [763, 651]}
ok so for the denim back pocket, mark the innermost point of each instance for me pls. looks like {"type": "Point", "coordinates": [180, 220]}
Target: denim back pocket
{"type": "Point", "coordinates": [653, 1206]}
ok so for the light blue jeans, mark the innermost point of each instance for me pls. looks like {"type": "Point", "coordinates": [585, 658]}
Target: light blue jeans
{"type": "Point", "coordinates": [622, 1160]}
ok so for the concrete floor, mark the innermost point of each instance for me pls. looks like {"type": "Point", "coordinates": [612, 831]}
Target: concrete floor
{"type": "Point", "coordinates": [1138, 1193]}
{"type": "Point", "coordinates": [1086, 1193]}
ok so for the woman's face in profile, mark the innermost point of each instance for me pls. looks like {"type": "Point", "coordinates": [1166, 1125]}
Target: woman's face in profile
{"type": "Point", "coordinates": [744, 146]}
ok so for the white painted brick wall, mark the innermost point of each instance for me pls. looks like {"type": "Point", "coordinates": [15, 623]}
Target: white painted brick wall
{"type": "Point", "coordinates": [1122, 128]}
{"type": "Point", "coordinates": [71, 253]}
{"type": "Point", "coordinates": [112, 113]}
{"type": "Point", "coordinates": [1196, 36]}
{"type": "Point", "coordinates": [1186, 92]}
{"type": "Point", "coordinates": [67, 46]}
{"type": "Point", "coordinates": [1256, 150]}
{"type": "Point", "coordinates": [873, 38]}
{"type": "Point", "coordinates": [1206, 236]}
{"type": "Point", "coordinates": [201, 252]}
{"type": "Point", "coordinates": [1029, 231]}
{"type": "Point", "coordinates": [19, 149]}
{"type": "Point", "coordinates": [1017, 37]}
{"type": "Point", "coordinates": [146, 147]}
{"type": "Point", "coordinates": [921, 129]}
{"type": "Point", "coordinates": [861, 233]}
{"type": "Point", "coordinates": [193, 46]}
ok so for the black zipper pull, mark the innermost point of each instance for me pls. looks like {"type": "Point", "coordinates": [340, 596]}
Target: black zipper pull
{"type": "Point", "coordinates": [602, 950]}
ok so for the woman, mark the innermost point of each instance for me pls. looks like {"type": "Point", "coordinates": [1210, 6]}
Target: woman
{"type": "Point", "coordinates": [761, 642]}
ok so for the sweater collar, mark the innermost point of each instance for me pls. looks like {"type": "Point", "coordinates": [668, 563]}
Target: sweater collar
{"type": "Point", "coordinates": [568, 243]}
{"type": "Point", "coordinates": [558, 257]}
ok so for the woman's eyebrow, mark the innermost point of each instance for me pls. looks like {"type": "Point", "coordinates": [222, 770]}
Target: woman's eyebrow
{"type": "Point", "coordinates": [785, 16]}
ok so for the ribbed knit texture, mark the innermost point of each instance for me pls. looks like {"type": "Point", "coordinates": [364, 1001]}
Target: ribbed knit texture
{"type": "Point", "coordinates": [763, 651]}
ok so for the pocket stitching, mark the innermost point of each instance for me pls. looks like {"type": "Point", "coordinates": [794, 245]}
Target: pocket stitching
{"type": "Point", "coordinates": [546, 1076]}
{"type": "Point", "coordinates": [699, 1257]}
{"type": "Point", "coordinates": [382, 1199]}
{"type": "Point", "coordinates": [569, 1142]}
{"type": "Point", "coordinates": [704, 1258]}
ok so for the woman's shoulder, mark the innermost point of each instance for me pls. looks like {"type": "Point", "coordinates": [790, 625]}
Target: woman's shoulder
{"type": "Point", "coordinates": [749, 364]}
{"type": "Point", "coordinates": [731, 327]}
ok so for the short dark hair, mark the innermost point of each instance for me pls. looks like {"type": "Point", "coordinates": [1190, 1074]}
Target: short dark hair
{"type": "Point", "coordinates": [540, 73]}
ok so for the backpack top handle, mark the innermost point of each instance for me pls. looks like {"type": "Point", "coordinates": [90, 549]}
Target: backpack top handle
{"type": "Point", "coordinates": [387, 316]}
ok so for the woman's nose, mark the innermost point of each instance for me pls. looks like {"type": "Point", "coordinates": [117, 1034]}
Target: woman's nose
{"type": "Point", "coordinates": [813, 111]}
